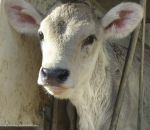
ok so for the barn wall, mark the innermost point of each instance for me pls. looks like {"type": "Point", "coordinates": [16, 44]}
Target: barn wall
{"type": "Point", "coordinates": [147, 78]}
{"type": "Point", "coordinates": [20, 60]}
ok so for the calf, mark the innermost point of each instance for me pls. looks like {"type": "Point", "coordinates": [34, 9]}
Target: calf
{"type": "Point", "coordinates": [79, 65]}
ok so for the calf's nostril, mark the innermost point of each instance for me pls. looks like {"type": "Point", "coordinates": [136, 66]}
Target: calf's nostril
{"type": "Point", "coordinates": [63, 75]}
{"type": "Point", "coordinates": [44, 73]}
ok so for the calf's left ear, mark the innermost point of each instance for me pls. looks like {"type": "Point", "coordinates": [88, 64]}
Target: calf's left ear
{"type": "Point", "coordinates": [121, 20]}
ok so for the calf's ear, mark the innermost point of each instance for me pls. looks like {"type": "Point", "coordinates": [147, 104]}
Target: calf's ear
{"type": "Point", "coordinates": [22, 16]}
{"type": "Point", "coordinates": [121, 20]}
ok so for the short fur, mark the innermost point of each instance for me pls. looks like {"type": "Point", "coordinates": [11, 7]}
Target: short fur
{"type": "Point", "coordinates": [95, 69]}
{"type": "Point", "coordinates": [92, 86]}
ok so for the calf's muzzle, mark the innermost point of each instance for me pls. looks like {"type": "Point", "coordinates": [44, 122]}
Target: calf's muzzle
{"type": "Point", "coordinates": [54, 77]}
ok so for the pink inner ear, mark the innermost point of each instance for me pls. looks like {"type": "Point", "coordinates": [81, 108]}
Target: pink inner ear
{"type": "Point", "coordinates": [22, 17]}
{"type": "Point", "coordinates": [118, 23]}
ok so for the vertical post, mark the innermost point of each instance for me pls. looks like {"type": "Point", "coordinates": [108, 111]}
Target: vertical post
{"type": "Point", "coordinates": [141, 86]}
{"type": "Point", "coordinates": [60, 120]}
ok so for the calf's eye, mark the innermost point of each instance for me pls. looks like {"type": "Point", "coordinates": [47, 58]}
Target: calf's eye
{"type": "Point", "coordinates": [89, 40]}
{"type": "Point", "coordinates": [41, 36]}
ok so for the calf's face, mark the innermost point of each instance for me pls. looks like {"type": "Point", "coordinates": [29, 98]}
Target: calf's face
{"type": "Point", "coordinates": [69, 45]}
{"type": "Point", "coordinates": [71, 38]}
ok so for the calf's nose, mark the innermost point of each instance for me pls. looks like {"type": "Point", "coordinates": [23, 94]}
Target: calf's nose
{"type": "Point", "coordinates": [54, 76]}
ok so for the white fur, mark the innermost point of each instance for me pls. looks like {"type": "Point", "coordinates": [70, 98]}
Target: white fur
{"type": "Point", "coordinates": [95, 70]}
{"type": "Point", "coordinates": [92, 84]}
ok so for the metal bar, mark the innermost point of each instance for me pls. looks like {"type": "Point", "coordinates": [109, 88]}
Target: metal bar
{"type": "Point", "coordinates": [141, 86]}
{"type": "Point", "coordinates": [126, 70]}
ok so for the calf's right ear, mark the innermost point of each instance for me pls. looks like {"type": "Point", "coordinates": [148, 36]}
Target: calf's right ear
{"type": "Point", "coordinates": [22, 16]}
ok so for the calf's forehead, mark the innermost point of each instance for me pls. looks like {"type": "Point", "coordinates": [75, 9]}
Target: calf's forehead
{"type": "Point", "coordinates": [77, 11]}
{"type": "Point", "coordinates": [68, 20]}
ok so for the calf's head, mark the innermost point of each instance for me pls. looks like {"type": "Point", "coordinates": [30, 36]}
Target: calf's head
{"type": "Point", "coordinates": [71, 38]}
